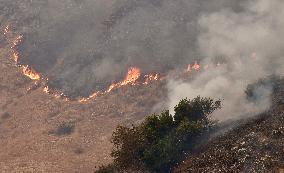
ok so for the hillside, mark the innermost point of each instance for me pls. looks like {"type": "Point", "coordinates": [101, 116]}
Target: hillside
{"type": "Point", "coordinates": [71, 71]}
{"type": "Point", "coordinates": [40, 133]}
{"type": "Point", "coordinates": [255, 146]}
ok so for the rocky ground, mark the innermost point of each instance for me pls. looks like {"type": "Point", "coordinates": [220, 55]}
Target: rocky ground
{"type": "Point", "coordinates": [255, 146]}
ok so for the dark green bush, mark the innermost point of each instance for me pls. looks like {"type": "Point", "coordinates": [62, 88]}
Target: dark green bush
{"type": "Point", "coordinates": [197, 109]}
{"type": "Point", "coordinates": [161, 141]}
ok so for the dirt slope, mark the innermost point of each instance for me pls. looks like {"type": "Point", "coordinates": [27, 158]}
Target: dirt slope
{"type": "Point", "coordinates": [39, 133]}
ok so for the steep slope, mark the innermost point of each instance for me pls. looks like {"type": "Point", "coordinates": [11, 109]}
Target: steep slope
{"type": "Point", "coordinates": [40, 133]}
{"type": "Point", "coordinates": [256, 146]}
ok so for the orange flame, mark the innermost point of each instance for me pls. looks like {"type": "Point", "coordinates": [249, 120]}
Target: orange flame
{"type": "Point", "coordinates": [132, 76]}
{"type": "Point", "coordinates": [15, 57]}
{"type": "Point", "coordinates": [29, 72]}
{"type": "Point", "coordinates": [150, 77]}
{"type": "Point", "coordinates": [17, 41]}
{"type": "Point", "coordinates": [94, 95]}
{"type": "Point", "coordinates": [196, 66]}
{"type": "Point", "coordinates": [46, 90]}
{"type": "Point", "coordinates": [6, 30]}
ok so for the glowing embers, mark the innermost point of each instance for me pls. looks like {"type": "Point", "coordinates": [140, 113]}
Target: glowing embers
{"type": "Point", "coordinates": [46, 90]}
{"type": "Point", "coordinates": [92, 96]}
{"type": "Point", "coordinates": [15, 57]}
{"type": "Point", "coordinates": [6, 30]}
{"type": "Point", "coordinates": [17, 41]}
{"type": "Point", "coordinates": [194, 66]}
{"type": "Point", "coordinates": [197, 67]}
{"type": "Point", "coordinates": [150, 77]}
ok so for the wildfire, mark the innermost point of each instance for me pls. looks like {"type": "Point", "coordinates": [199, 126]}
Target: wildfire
{"type": "Point", "coordinates": [6, 30]}
{"type": "Point", "coordinates": [17, 41]}
{"type": "Point", "coordinates": [26, 70]}
{"type": "Point", "coordinates": [15, 57]}
{"type": "Point", "coordinates": [195, 67]}
{"type": "Point", "coordinates": [29, 72]}
{"type": "Point", "coordinates": [46, 90]}
{"type": "Point", "coordinates": [132, 76]}
{"type": "Point", "coordinates": [151, 77]}
{"type": "Point", "coordinates": [92, 96]}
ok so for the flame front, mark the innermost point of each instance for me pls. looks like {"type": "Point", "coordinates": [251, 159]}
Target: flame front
{"type": "Point", "coordinates": [132, 76]}
{"type": "Point", "coordinates": [92, 96]}
{"type": "Point", "coordinates": [29, 72]}
{"type": "Point", "coordinates": [150, 77]}
{"type": "Point", "coordinates": [26, 70]}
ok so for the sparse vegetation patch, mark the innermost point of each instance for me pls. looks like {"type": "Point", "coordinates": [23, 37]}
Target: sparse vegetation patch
{"type": "Point", "coordinates": [64, 129]}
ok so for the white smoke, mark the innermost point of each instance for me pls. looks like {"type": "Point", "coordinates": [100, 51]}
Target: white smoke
{"type": "Point", "coordinates": [252, 42]}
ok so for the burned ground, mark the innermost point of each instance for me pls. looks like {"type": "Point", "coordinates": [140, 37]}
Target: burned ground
{"type": "Point", "coordinates": [255, 146]}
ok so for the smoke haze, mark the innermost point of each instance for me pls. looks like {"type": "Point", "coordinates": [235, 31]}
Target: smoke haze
{"type": "Point", "coordinates": [85, 45]}
{"type": "Point", "coordinates": [251, 42]}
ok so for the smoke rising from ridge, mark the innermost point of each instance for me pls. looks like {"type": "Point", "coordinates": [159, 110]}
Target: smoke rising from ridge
{"type": "Point", "coordinates": [84, 45]}
{"type": "Point", "coordinates": [252, 43]}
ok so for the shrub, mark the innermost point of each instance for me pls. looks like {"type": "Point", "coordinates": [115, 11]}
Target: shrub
{"type": "Point", "coordinates": [160, 141]}
{"type": "Point", "coordinates": [197, 109]}
{"type": "Point", "coordinates": [64, 129]}
{"type": "Point", "coordinates": [128, 144]}
{"type": "Point", "coordinates": [5, 115]}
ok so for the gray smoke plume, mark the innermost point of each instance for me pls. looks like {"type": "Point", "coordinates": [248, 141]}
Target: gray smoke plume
{"type": "Point", "coordinates": [84, 45]}
{"type": "Point", "coordinates": [251, 42]}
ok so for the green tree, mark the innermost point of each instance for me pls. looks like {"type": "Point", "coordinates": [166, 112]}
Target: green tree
{"type": "Point", "coordinates": [129, 144]}
{"type": "Point", "coordinates": [197, 109]}
{"type": "Point", "coordinates": [161, 141]}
